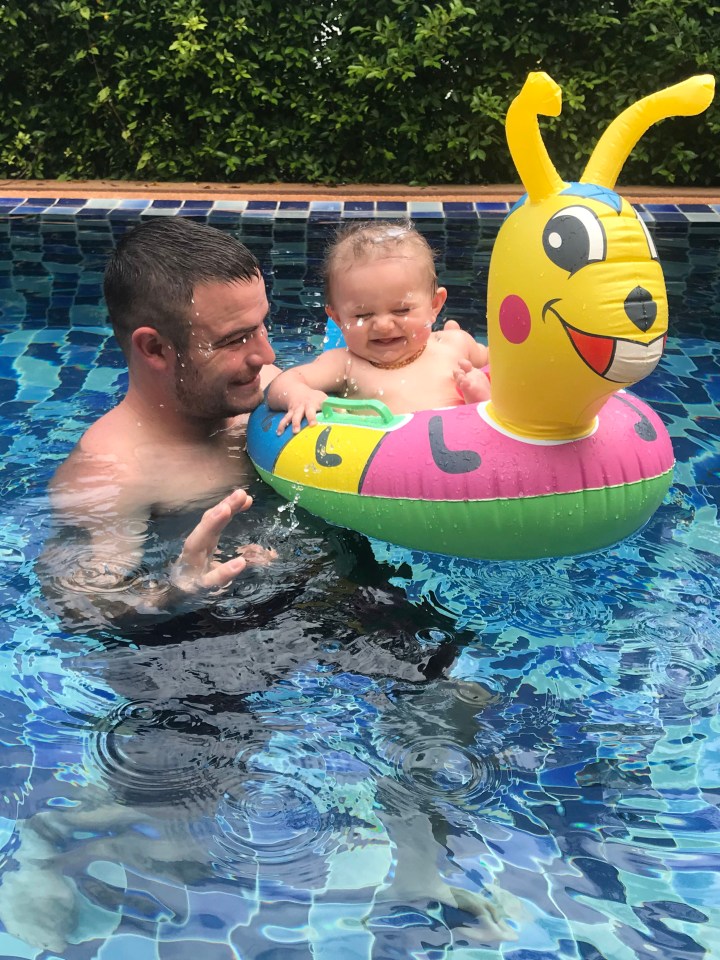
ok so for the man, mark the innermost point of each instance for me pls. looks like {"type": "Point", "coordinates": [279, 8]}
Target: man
{"type": "Point", "coordinates": [188, 306]}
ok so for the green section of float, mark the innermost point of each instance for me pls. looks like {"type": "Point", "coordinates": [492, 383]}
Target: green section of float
{"type": "Point", "coordinates": [558, 524]}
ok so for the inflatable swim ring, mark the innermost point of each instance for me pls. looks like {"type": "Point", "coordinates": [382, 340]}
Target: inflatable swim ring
{"type": "Point", "coordinates": [561, 459]}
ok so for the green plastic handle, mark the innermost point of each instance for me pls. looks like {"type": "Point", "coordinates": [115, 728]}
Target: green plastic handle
{"type": "Point", "coordinates": [332, 405]}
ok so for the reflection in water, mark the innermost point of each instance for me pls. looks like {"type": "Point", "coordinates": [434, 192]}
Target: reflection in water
{"type": "Point", "coordinates": [309, 737]}
{"type": "Point", "coordinates": [362, 751]}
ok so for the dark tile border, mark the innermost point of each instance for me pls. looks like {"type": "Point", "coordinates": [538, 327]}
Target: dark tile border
{"type": "Point", "coordinates": [101, 207]}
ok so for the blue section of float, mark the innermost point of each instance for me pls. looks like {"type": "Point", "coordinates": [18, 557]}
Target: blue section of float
{"type": "Point", "coordinates": [595, 192]}
{"type": "Point", "coordinates": [262, 436]}
{"type": "Point", "coordinates": [333, 336]}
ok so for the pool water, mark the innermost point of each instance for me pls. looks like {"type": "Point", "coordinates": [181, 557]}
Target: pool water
{"type": "Point", "coordinates": [361, 751]}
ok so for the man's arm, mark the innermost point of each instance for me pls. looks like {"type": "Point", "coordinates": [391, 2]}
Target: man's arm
{"type": "Point", "coordinates": [93, 565]}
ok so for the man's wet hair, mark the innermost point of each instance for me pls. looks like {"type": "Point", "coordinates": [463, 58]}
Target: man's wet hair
{"type": "Point", "coordinates": [358, 240]}
{"type": "Point", "coordinates": [151, 275]}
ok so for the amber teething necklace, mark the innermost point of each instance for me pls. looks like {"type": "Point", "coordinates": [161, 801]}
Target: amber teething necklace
{"type": "Point", "coordinates": [397, 364]}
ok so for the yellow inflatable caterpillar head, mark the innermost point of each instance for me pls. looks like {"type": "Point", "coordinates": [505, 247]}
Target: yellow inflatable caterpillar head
{"type": "Point", "coordinates": [576, 298]}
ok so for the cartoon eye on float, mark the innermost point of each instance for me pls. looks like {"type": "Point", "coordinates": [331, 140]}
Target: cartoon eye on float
{"type": "Point", "coordinates": [574, 238]}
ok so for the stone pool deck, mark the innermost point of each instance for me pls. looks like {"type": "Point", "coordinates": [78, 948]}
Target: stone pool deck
{"type": "Point", "coordinates": [122, 189]}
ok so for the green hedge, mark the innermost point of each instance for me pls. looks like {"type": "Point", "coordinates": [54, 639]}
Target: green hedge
{"type": "Point", "coordinates": [339, 91]}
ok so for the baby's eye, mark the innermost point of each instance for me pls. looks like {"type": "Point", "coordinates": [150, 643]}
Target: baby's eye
{"type": "Point", "coordinates": [362, 316]}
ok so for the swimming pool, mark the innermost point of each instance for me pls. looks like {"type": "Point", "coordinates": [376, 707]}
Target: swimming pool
{"type": "Point", "coordinates": [362, 751]}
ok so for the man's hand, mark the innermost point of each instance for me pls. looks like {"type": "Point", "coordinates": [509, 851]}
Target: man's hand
{"type": "Point", "coordinates": [196, 571]}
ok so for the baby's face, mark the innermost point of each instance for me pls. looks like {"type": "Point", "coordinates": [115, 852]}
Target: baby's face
{"type": "Point", "coordinates": [385, 307]}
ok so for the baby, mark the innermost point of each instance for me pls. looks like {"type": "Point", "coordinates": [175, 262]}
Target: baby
{"type": "Point", "coordinates": [381, 290]}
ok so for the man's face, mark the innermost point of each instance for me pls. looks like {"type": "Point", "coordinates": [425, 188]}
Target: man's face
{"type": "Point", "coordinates": [218, 374]}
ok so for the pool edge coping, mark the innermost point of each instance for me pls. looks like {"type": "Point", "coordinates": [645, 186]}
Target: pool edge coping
{"type": "Point", "coordinates": [100, 198]}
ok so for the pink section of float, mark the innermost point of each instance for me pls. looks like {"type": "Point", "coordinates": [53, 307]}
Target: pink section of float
{"type": "Point", "coordinates": [630, 444]}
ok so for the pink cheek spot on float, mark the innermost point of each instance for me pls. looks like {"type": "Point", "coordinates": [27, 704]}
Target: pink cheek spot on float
{"type": "Point", "coordinates": [514, 319]}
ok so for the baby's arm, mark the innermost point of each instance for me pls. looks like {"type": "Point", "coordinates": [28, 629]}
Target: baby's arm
{"type": "Point", "coordinates": [303, 390]}
{"type": "Point", "coordinates": [470, 380]}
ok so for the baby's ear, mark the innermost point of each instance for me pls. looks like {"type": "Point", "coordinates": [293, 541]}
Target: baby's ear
{"type": "Point", "coordinates": [438, 301]}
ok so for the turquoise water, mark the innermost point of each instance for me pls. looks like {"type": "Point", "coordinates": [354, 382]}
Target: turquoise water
{"type": "Point", "coordinates": [362, 751]}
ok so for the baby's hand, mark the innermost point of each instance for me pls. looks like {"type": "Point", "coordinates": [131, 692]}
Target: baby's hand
{"type": "Point", "coordinates": [472, 383]}
{"type": "Point", "coordinates": [305, 408]}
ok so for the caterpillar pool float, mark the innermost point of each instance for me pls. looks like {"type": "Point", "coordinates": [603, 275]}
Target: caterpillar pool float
{"type": "Point", "coordinates": [561, 459]}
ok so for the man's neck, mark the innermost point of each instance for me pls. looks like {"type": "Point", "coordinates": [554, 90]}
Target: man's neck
{"type": "Point", "coordinates": [159, 416]}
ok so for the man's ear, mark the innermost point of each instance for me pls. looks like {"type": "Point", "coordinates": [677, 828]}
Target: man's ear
{"type": "Point", "coordinates": [153, 349]}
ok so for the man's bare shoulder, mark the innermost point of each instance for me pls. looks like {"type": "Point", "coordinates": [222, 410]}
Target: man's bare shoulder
{"type": "Point", "coordinates": [98, 473]}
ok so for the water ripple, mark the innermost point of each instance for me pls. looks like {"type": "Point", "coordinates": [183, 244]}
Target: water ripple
{"type": "Point", "coordinates": [146, 754]}
{"type": "Point", "coordinates": [275, 814]}
{"type": "Point", "coordinates": [560, 607]}
{"type": "Point", "coordinates": [440, 771]}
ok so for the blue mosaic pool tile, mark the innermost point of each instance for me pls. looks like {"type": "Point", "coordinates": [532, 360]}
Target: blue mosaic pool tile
{"type": "Point", "coordinates": [326, 206]}
{"type": "Point", "coordinates": [458, 206]}
{"type": "Point", "coordinates": [358, 209]}
{"type": "Point", "coordinates": [160, 212]}
{"type": "Point", "coordinates": [391, 206]}
{"type": "Point", "coordinates": [134, 204]}
{"type": "Point", "coordinates": [234, 206]}
{"type": "Point", "coordinates": [28, 210]}
{"type": "Point", "coordinates": [99, 212]}
{"type": "Point", "coordinates": [197, 204]}
{"type": "Point", "coordinates": [667, 214]}
{"type": "Point", "coordinates": [425, 208]}
{"type": "Point", "coordinates": [193, 212]}
{"type": "Point", "coordinates": [693, 207]}
{"type": "Point", "coordinates": [122, 946]}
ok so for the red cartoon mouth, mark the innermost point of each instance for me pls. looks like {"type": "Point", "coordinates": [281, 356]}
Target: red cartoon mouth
{"type": "Point", "coordinates": [612, 358]}
{"type": "Point", "coordinates": [596, 351]}
{"type": "Point", "coordinates": [615, 358]}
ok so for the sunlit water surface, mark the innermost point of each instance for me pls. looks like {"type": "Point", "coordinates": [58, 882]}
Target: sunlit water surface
{"type": "Point", "coordinates": [359, 751]}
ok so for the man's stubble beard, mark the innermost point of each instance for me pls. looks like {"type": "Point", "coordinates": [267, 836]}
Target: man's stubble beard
{"type": "Point", "coordinates": [202, 404]}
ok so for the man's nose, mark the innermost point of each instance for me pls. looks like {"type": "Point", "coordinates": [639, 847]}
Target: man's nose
{"type": "Point", "coordinates": [262, 354]}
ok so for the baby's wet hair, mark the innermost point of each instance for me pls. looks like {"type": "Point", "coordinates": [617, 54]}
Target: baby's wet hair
{"type": "Point", "coordinates": [359, 240]}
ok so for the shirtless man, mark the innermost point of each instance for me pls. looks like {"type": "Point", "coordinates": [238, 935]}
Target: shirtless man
{"type": "Point", "coordinates": [188, 306]}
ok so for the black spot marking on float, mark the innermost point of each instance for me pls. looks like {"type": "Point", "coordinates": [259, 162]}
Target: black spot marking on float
{"type": "Point", "coordinates": [322, 456]}
{"type": "Point", "coordinates": [643, 428]}
{"type": "Point", "coordinates": [449, 461]}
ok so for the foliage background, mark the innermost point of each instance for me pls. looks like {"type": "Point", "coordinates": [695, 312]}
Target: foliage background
{"type": "Point", "coordinates": [339, 91]}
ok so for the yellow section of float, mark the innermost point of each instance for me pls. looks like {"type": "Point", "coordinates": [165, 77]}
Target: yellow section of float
{"type": "Point", "coordinates": [329, 457]}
